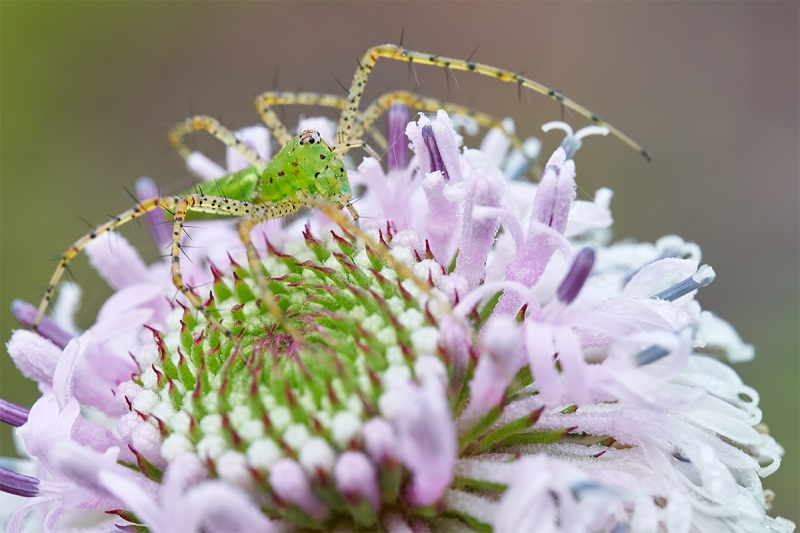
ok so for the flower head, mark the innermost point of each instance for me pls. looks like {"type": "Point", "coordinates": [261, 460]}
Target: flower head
{"type": "Point", "coordinates": [474, 355]}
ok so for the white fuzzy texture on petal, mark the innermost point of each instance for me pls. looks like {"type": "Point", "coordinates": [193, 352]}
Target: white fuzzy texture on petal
{"type": "Point", "coordinates": [35, 356]}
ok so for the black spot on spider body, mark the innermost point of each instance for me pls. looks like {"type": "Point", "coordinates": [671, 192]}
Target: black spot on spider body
{"type": "Point", "coordinates": [280, 174]}
{"type": "Point", "coordinates": [322, 156]}
{"type": "Point", "coordinates": [316, 175]}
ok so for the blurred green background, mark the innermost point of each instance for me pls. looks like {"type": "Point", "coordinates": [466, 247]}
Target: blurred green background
{"type": "Point", "coordinates": [88, 91]}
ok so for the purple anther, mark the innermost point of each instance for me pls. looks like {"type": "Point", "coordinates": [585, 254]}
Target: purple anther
{"type": "Point", "coordinates": [704, 275]}
{"type": "Point", "coordinates": [397, 151]}
{"type": "Point", "coordinates": [18, 484]}
{"type": "Point", "coordinates": [25, 314]}
{"type": "Point", "coordinates": [651, 355]}
{"type": "Point", "coordinates": [433, 150]}
{"type": "Point", "coordinates": [576, 277]}
{"type": "Point", "coordinates": [146, 189]}
{"type": "Point", "coordinates": [13, 414]}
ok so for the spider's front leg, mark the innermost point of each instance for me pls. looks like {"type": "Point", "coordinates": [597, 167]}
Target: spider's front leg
{"type": "Point", "coordinates": [252, 214]}
{"type": "Point", "coordinates": [264, 214]}
{"type": "Point", "coordinates": [203, 204]}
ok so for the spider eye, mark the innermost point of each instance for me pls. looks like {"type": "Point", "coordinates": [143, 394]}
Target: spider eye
{"type": "Point", "coordinates": [310, 137]}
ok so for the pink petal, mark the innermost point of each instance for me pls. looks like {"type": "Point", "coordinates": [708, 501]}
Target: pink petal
{"type": "Point", "coordinates": [224, 508]}
{"type": "Point", "coordinates": [116, 260]}
{"type": "Point", "coordinates": [34, 356]}
{"type": "Point", "coordinates": [257, 138]}
{"type": "Point", "coordinates": [357, 478]}
{"type": "Point", "coordinates": [203, 167]}
{"type": "Point", "coordinates": [291, 483]}
{"type": "Point", "coordinates": [477, 230]}
{"type": "Point", "coordinates": [380, 440]}
{"type": "Point", "coordinates": [426, 436]}
{"type": "Point", "coordinates": [497, 365]}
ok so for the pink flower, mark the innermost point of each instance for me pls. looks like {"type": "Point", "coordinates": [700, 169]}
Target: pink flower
{"type": "Point", "coordinates": [528, 376]}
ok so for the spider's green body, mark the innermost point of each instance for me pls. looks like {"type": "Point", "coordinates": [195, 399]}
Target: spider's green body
{"type": "Point", "coordinates": [305, 166]}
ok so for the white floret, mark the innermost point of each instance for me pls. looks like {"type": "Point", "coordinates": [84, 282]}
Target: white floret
{"type": "Point", "coordinates": [394, 356]}
{"type": "Point", "coordinates": [387, 336]}
{"type": "Point", "coordinates": [175, 445]}
{"type": "Point", "coordinates": [212, 446]}
{"type": "Point", "coordinates": [145, 401]}
{"type": "Point", "coordinates": [251, 430]}
{"type": "Point", "coordinates": [280, 417]}
{"type": "Point", "coordinates": [240, 413]}
{"type": "Point", "coordinates": [404, 256]}
{"type": "Point", "coordinates": [395, 373]}
{"type": "Point", "coordinates": [296, 435]}
{"type": "Point", "coordinates": [181, 423]}
{"type": "Point", "coordinates": [317, 454]}
{"type": "Point", "coordinates": [164, 411]}
{"type": "Point", "coordinates": [149, 378]}
{"type": "Point", "coordinates": [263, 453]}
{"type": "Point", "coordinates": [211, 424]}
{"type": "Point", "coordinates": [372, 323]}
{"type": "Point", "coordinates": [424, 340]}
{"type": "Point", "coordinates": [411, 319]}
{"type": "Point", "coordinates": [346, 426]}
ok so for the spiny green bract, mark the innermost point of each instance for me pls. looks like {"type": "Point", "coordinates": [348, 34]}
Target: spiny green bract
{"type": "Point", "coordinates": [359, 325]}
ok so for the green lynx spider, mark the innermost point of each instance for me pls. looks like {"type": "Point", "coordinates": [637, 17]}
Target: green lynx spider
{"type": "Point", "coordinates": [307, 172]}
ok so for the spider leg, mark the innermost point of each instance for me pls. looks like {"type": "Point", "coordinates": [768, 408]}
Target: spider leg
{"type": "Point", "coordinates": [221, 207]}
{"type": "Point", "coordinates": [366, 119]}
{"type": "Point", "coordinates": [141, 208]}
{"type": "Point", "coordinates": [215, 128]}
{"type": "Point", "coordinates": [348, 121]}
